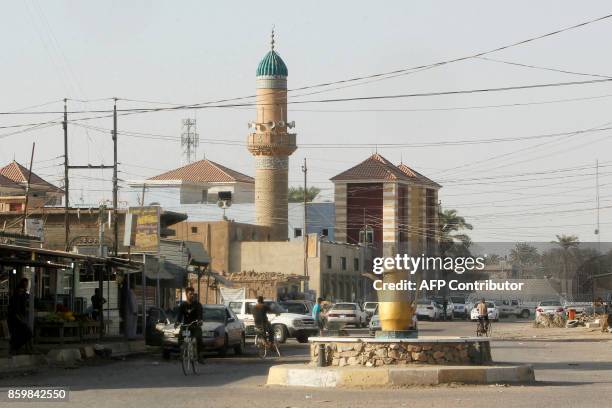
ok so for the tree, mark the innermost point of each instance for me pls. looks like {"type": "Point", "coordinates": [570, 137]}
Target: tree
{"type": "Point", "coordinates": [452, 241]}
{"type": "Point", "coordinates": [567, 243]}
{"type": "Point", "coordinates": [524, 256]}
{"type": "Point", "coordinates": [296, 194]}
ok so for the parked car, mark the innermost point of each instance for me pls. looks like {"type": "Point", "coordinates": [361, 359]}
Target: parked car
{"type": "Point", "coordinates": [550, 307]}
{"type": "Point", "coordinates": [370, 309]}
{"type": "Point", "coordinates": [428, 309]}
{"type": "Point", "coordinates": [513, 307]}
{"type": "Point", "coordinates": [459, 307]}
{"type": "Point", "coordinates": [492, 311]}
{"type": "Point", "coordinates": [221, 330]}
{"type": "Point", "coordinates": [374, 324]}
{"type": "Point", "coordinates": [348, 313]}
{"type": "Point", "coordinates": [286, 325]}
{"type": "Point", "coordinates": [157, 320]}
{"type": "Point", "coordinates": [450, 307]}
{"type": "Point", "coordinates": [302, 307]}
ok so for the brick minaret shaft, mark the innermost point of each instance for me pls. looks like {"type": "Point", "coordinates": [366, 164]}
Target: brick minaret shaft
{"type": "Point", "coordinates": [271, 145]}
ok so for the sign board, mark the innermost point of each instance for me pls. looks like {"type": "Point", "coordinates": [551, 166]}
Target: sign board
{"type": "Point", "coordinates": [145, 227]}
{"type": "Point", "coordinates": [35, 227]}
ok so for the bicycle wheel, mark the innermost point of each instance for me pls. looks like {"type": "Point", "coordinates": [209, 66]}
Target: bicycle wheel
{"type": "Point", "coordinates": [489, 330]}
{"type": "Point", "coordinates": [277, 349]}
{"type": "Point", "coordinates": [185, 356]}
{"type": "Point", "coordinates": [260, 343]}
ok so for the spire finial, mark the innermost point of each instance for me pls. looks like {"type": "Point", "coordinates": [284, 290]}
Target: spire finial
{"type": "Point", "coordinates": [272, 39]}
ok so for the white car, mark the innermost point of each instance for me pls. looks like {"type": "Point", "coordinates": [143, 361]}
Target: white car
{"type": "Point", "coordinates": [459, 307]}
{"type": "Point", "coordinates": [450, 307]}
{"type": "Point", "coordinates": [428, 309]}
{"type": "Point", "coordinates": [550, 307]}
{"type": "Point", "coordinates": [370, 309]}
{"type": "Point", "coordinates": [347, 313]}
{"type": "Point", "coordinates": [285, 325]}
{"type": "Point", "coordinates": [492, 312]}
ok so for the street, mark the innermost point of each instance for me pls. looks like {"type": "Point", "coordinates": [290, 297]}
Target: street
{"type": "Point", "coordinates": [576, 373]}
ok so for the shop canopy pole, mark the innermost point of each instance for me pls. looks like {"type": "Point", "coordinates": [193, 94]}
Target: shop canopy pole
{"type": "Point", "coordinates": [144, 296]}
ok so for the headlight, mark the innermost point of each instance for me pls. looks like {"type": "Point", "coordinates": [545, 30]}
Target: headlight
{"type": "Point", "coordinates": [296, 322]}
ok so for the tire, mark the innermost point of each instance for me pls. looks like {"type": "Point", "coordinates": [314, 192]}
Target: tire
{"type": "Point", "coordinates": [360, 324]}
{"type": "Point", "coordinates": [223, 350]}
{"type": "Point", "coordinates": [239, 348]}
{"type": "Point", "coordinates": [280, 333]}
{"type": "Point", "coordinates": [166, 354]}
{"type": "Point", "coordinates": [260, 346]}
{"type": "Point", "coordinates": [525, 314]}
{"type": "Point", "coordinates": [302, 338]}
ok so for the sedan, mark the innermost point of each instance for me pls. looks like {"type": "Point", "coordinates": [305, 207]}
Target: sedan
{"type": "Point", "coordinates": [550, 307]}
{"type": "Point", "coordinates": [347, 313]}
{"type": "Point", "coordinates": [492, 312]}
{"type": "Point", "coordinates": [428, 309]}
{"type": "Point", "coordinates": [221, 330]}
{"type": "Point", "coordinates": [374, 325]}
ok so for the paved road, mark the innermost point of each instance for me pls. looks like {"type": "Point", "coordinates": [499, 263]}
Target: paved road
{"type": "Point", "coordinates": [569, 373]}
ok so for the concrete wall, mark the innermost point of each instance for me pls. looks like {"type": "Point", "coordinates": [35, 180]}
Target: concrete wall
{"type": "Point", "coordinates": [282, 257]}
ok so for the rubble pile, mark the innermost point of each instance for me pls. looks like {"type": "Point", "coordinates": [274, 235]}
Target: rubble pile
{"type": "Point", "coordinates": [547, 321]}
{"type": "Point", "coordinates": [591, 321]}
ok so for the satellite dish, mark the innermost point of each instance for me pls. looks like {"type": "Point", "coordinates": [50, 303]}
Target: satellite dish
{"type": "Point", "coordinates": [220, 203]}
{"type": "Point", "coordinates": [281, 123]}
{"type": "Point", "coordinates": [271, 125]}
{"type": "Point", "coordinates": [291, 124]}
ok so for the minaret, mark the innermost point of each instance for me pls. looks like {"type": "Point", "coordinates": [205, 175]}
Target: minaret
{"type": "Point", "coordinates": [271, 145]}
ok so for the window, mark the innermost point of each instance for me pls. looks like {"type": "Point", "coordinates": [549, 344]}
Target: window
{"type": "Point", "coordinates": [194, 230]}
{"type": "Point", "coordinates": [297, 232]}
{"type": "Point", "coordinates": [235, 307]}
{"type": "Point", "coordinates": [325, 232]}
{"type": "Point", "coordinates": [328, 259]}
{"type": "Point", "coordinates": [204, 196]}
{"type": "Point", "coordinates": [343, 263]}
{"type": "Point", "coordinates": [356, 264]}
{"type": "Point", "coordinates": [366, 235]}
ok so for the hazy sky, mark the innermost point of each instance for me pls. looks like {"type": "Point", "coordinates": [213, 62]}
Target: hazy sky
{"type": "Point", "coordinates": [187, 52]}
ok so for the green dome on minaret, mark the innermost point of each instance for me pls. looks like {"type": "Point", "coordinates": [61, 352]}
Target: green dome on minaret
{"type": "Point", "coordinates": [272, 64]}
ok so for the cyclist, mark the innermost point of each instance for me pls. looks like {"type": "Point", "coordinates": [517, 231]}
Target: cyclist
{"type": "Point", "coordinates": [191, 311]}
{"type": "Point", "coordinates": [483, 315]}
{"type": "Point", "coordinates": [260, 316]}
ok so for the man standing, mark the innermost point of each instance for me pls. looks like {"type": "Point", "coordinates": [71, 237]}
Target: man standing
{"type": "Point", "coordinates": [191, 311]}
{"type": "Point", "coordinates": [17, 318]}
{"type": "Point", "coordinates": [483, 314]}
{"type": "Point", "coordinates": [97, 305]}
{"type": "Point", "coordinates": [316, 315]}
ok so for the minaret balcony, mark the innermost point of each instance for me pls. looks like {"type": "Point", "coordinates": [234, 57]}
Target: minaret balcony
{"type": "Point", "coordinates": [271, 143]}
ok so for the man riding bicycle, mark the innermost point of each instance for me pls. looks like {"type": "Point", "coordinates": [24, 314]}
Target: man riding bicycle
{"type": "Point", "coordinates": [260, 316]}
{"type": "Point", "coordinates": [483, 315]}
{"type": "Point", "coordinates": [190, 311]}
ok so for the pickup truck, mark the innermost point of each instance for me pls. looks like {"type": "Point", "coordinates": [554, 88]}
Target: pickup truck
{"type": "Point", "coordinates": [512, 307]}
{"type": "Point", "coordinates": [285, 325]}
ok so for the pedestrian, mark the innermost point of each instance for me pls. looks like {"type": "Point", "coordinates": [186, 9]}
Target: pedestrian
{"type": "Point", "coordinates": [130, 312]}
{"type": "Point", "coordinates": [17, 318]}
{"type": "Point", "coordinates": [316, 315]}
{"type": "Point", "coordinates": [97, 305]}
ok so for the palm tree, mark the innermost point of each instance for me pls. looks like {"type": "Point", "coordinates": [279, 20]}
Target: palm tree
{"type": "Point", "coordinates": [450, 223]}
{"type": "Point", "coordinates": [296, 194]}
{"type": "Point", "coordinates": [567, 243]}
{"type": "Point", "coordinates": [523, 255]}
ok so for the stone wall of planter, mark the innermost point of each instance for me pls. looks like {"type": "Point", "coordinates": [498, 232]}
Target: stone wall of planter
{"type": "Point", "coordinates": [373, 354]}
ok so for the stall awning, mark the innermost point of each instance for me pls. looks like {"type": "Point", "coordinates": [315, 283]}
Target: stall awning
{"type": "Point", "coordinates": [197, 254]}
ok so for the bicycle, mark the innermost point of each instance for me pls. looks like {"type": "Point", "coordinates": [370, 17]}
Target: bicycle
{"type": "Point", "coordinates": [483, 329]}
{"type": "Point", "coordinates": [189, 350]}
{"type": "Point", "coordinates": [263, 345]}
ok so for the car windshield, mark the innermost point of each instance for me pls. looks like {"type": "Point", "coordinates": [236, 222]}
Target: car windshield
{"type": "Point", "coordinates": [490, 305]}
{"type": "Point", "coordinates": [550, 303]}
{"type": "Point", "coordinates": [456, 299]}
{"type": "Point", "coordinates": [274, 307]}
{"type": "Point", "coordinates": [298, 308]}
{"type": "Point", "coordinates": [213, 314]}
{"type": "Point", "coordinates": [345, 306]}
{"type": "Point", "coordinates": [369, 305]}
{"type": "Point", "coordinates": [235, 307]}
{"type": "Point", "coordinates": [424, 302]}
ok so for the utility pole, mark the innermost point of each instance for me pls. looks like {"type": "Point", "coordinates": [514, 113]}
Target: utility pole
{"type": "Point", "coordinates": [597, 231]}
{"type": "Point", "coordinates": [66, 193]}
{"type": "Point", "coordinates": [304, 234]}
{"type": "Point", "coordinates": [115, 183]}
{"type": "Point", "coordinates": [27, 192]}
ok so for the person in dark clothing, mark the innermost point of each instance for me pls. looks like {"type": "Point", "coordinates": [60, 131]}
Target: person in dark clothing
{"type": "Point", "coordinates": [17, 318]}
{"type": "Point", "coordinates": [97, 305]}
{"type": "Point", "coordinates": [191, 311]}
{"type": "Point", "coordinates": [260, 316]}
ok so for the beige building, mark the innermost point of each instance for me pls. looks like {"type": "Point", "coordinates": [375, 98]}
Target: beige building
{"type": "Point", "coordinates": [13, 182]}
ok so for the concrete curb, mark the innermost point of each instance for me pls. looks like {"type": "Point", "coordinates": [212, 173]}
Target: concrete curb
{"type": "Point", "coordinates": [303, 376]}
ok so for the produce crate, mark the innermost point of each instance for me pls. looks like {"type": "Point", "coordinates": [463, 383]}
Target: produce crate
{"type": "Point", "coordinates": [57, 332]}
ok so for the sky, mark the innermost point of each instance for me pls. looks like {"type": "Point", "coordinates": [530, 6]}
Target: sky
{"type": "Point", "coordinates": [157, 53]}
